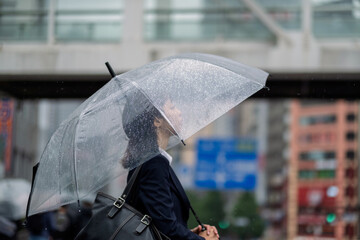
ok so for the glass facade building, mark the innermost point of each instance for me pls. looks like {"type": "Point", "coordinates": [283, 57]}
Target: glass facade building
{"type": "Point", "coordinates": [175, 20]}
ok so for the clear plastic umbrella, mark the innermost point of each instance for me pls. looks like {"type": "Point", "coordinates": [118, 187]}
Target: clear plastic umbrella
{"type": "Point", "coordinates": [14, 194]}
{"type": "Point", "coordinates": [113, 131]}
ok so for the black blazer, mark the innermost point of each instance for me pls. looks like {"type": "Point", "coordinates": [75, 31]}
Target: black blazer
{"type": "Point", "coordinates": [159, 194]}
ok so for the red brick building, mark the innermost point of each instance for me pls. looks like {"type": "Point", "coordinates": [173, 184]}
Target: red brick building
{"type": "Point", "coordinates": [323, 170]}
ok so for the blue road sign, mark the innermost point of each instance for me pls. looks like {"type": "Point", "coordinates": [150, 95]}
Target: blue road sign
{"type": "Point", "coordinates": [226, 164]}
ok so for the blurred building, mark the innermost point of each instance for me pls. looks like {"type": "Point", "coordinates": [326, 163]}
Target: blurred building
{"type": "Point", "coordinates": [312, 169]}
{"type": "Point", "coordinates": [25, 139]}
{"type": "Point", "coordinates": [250, 120]}
{"type": "Point", "coordinates": [323, 186]}
{"type": "Point", "coordinates": [33, 124]}
{"type": "Point", "coordinates": [277, 165]}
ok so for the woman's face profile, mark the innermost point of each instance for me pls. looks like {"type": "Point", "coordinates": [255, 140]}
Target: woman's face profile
{"type": "Point", "coordinates": [173, 114]}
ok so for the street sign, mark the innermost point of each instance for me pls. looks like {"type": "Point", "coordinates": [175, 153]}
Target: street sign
{"type": "Point", "coordinates": [226, 164]}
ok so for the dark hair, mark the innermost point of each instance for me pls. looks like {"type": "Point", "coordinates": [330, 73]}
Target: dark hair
{"type": "Point", "coordinates": [138, 123]}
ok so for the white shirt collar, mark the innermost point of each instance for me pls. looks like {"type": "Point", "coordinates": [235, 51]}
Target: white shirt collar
{"type": "Point", "coordinates": [166, 155]}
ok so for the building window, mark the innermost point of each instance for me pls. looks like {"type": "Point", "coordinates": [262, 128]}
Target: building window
{"type": "Point", "coordinates": [350, 136]}
{"type": "Point", "coordinates": [315, 102]}
{"type": "Point", "coordinates": [350, 191]}
{"type": "Point", "coordinates": [326, 174]}
{"type": "Point", "coordinates": [350, 230]}
{"type": "Point", "coordinates": [27, 20]}
{"type": "Point", "coordinates": [209, 20]}
{"type": "Point", "coordinates": [306, 174]}
{"type": "Point", "coordinates": [330, 137]}
{"type": "Point", "coordinates": [320, 137]}
{"type": "Point", "coordinates": [320, 174]}
{"type": "Point", "coordinates": [314, 120]}
{"type": "Point", "coordinates": [328, 230]}
{"type": "Point", "coordinates": [302, 230]}
{"type": "Point", "coordinates": [317, 155]}
{"type": "Point", "coordinates": [350, 117]}
{"type": "Point", "coordinates": [350, 173]}
{"type": "Point", "coordinates": [350, 155]}
{"type": "Point", "coordinates": [81, 22]}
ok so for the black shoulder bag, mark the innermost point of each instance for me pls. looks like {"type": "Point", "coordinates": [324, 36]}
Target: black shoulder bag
{"type": "Point", "coordinates": [115, 219]}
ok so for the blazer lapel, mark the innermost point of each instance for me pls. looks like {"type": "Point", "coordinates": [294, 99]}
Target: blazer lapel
{"type": "Point", "coordinates": [179, 189]}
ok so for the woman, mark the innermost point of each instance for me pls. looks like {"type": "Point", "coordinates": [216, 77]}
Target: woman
{"type": "Point", "coordinates": [159, 193]}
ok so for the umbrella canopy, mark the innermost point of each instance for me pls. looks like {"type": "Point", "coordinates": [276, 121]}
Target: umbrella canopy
{"type": "Point", "coordinates": [113, 131]}
{"type": "Point", "coordinates": [14, 194]}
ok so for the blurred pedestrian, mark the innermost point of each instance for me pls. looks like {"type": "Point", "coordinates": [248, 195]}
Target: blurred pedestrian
{"type": "Point", "coordinates": [7, 229]}
{"type": "Point", "coordinates": [70, 219]}
{"type": "Point", "coordinates": [41, 226]}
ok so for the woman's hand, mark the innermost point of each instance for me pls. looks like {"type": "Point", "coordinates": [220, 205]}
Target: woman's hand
{"type": "Point", "coordinates": [209, 234]}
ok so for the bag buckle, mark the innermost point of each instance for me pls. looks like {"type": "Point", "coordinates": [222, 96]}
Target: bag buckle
{"type": "Point", "coordinates": [119, 202]}
{"type": "Point", "coordinates": [146, 220]}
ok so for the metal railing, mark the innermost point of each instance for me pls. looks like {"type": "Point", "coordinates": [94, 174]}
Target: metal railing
{"type": "Point", "coordinates": [70, 25]}
{"type": "Point", "coordinates": [29, 25]}
{"type": "Point", "coordinates": [336, 21]}
{"type": "Point", "coordinates": [227, 20]}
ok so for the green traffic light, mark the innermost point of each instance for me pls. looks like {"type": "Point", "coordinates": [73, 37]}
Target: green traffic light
{"type": "Point", "coordinates": [224, 224]}
{"type": "Point", "coordinates": [330, 218]}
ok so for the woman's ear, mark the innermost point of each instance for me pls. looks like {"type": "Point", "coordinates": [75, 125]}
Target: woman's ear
{"type": "Point", "coordinates": [158, 122]}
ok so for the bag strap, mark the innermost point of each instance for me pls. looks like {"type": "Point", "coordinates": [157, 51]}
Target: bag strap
{"type": "Point", "coordinates": [131, 183]}
{"type": "Point", "coordinates": [117, 205]}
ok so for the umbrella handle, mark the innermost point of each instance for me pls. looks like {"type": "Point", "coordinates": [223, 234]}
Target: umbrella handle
{"type": "Point", "coordinates": [197, 219]}
{"type": "Point", "coordinates": [111, 71]}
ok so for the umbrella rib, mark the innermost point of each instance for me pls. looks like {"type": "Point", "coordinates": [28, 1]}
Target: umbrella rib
{"type": "Point", "coordinates": [61, 157]}
{"type": "Point", "coordinates": [74, 169]}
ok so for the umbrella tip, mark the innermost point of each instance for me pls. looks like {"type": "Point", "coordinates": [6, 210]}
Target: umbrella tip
{"type": "Point", "coordinates": [111, 71]}
{"type": "Point", "coordinates": [267, 88]}
{"type": "Point", "coordinates": [183, 142]}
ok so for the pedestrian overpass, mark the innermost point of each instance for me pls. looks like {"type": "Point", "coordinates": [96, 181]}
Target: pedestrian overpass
{"type": "Point", "coordinates": [58, 49]}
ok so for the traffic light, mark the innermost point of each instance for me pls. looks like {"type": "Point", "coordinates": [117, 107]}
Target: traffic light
{"type": "Point", "coordinates": [330, 217]}
{"type": "Point", "coordinates": [224, 224]}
